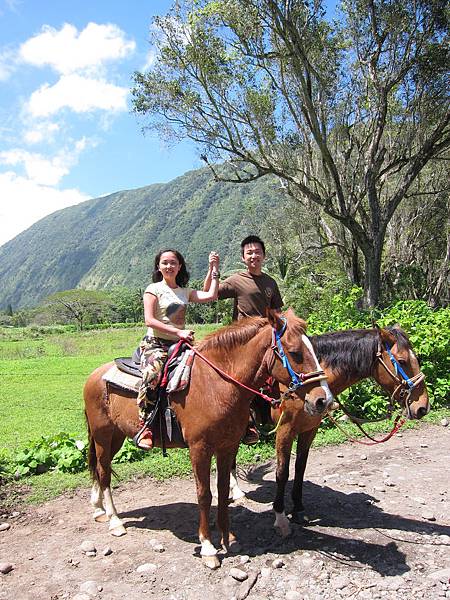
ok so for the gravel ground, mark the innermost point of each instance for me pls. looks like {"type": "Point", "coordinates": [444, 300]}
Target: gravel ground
{"type": "Point", "coordinates": [379, 528]}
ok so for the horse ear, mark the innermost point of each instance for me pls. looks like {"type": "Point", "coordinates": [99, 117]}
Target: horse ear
{"type": "Point", "coordinates": [387, 336]}
{"type": "Point", "coordinates": [274, 318]}
{"type": "Point", "coordinates": [375, 325]}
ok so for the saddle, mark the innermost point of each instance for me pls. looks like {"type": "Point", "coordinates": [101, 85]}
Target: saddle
{"type": "Point", "coordinates": [126, 373]}
{"type": "Point", "coordinates": [132, 365]}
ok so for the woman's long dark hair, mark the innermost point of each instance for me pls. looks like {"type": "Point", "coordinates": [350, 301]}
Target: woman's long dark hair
{"type": "Point", "coordinates": [182, 277]}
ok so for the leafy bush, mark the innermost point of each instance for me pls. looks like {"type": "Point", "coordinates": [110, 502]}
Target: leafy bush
{"type": "Point", "coordinates": [128, 453]}
{"type": "Point", "coordinates": [61, 452]}
{"type": "Point", "coordinates": [5, 466]}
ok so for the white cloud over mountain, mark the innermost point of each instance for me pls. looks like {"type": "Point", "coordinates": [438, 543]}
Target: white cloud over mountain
{"type": "Point", "coordinates": [59, 108]}
{"type": "Point", "coordinates": [32, 201]}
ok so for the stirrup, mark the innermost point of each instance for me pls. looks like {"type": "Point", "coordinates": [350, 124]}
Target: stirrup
{"type": "Point", "coordinates": [140, 436]}
{"type": "Point", "coordinates": [251, 436]}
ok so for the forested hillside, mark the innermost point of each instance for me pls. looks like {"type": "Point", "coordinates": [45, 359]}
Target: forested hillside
{"type": "Point", "coordinates": [111, 241]}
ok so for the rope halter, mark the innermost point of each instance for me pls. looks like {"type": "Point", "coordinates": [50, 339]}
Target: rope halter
{"type": "Point", "coordinates": [405, 385]}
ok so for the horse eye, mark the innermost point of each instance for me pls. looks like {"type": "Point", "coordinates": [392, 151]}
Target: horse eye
{"type": "Point", "coordinates": [402, 361]}
{"type": "Point", "coordinates": [297, 356]}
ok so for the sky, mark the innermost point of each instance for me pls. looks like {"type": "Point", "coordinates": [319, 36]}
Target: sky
{"type": "Point", "coordinates": [67, 132]}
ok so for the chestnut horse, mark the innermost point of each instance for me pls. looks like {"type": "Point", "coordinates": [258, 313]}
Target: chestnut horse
{"type": "Point", "coordinates": [347, 357]}
{"type": "Point", "coordinates": [212, 413]}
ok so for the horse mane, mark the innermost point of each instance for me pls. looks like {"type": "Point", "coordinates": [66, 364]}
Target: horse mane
{"type": "Point", "coordinates": [351, 352]}
{"type": "Point", "coordinates": [230, 336]}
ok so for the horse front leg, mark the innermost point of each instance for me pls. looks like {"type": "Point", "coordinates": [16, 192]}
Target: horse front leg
{"type": "Point", "coordinates": [235, 491]}
{"type": "Point", "coordinates": [201, 466]}
{"type": "Point", "coordinates": [284, 440]}
{"type": "Point", "coordinates": [304, 442]}
{"type": "Point", "coordinates": [97, 503]}
{"type": "Point", "coordinates": [225, 462]}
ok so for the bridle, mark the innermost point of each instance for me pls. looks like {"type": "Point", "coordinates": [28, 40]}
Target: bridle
{"type": "Point", "coordinates": [405, 385]}
{"type": "Point", "coordinates": [297, 379]}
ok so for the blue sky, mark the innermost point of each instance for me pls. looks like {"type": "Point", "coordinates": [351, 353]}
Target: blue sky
{"type": "Point", "coordinates": [66, 129]}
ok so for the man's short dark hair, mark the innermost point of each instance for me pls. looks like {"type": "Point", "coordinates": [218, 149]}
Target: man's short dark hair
{"type": "Point", "coordinates": [252, 239]}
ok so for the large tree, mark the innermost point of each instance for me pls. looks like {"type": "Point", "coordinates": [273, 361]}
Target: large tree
{"type": "Point", "coordinates": [347, 116]}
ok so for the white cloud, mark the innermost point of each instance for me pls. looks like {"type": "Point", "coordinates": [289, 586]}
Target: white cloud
{"type": "Point", "coordinates": [41, 132]}
{"type": "Point", "coordinates": [23, 202]}
{"type": "Point", "coordinates": [41, 170]}
{"type": "Point", "coordinates": [151, 59]}
{"type": "Point", "coordinates": [7, 64]}
{"type": "Point", "coordinates": [68, 51]}
{"type": "Point", "coordinates": [81, 94]}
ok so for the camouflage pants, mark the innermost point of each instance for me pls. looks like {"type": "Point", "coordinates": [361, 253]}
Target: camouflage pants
{"type": "Point", "coordinates": [153, 358]}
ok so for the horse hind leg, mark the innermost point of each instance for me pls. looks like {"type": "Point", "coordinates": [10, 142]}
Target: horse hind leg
{"type": "Point", "coordinates": [235, 493]}
{"type": "Point", "coordinates": [101, 496]}
{"type": "Point", "coordinates": [225, 462]}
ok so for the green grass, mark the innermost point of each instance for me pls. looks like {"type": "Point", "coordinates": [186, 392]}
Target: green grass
{"type": "Point", "coordinates": [42, 379]}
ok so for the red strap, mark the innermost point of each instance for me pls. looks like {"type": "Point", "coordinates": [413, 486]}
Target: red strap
{"type": "Point", "coordinates": [397, 424]}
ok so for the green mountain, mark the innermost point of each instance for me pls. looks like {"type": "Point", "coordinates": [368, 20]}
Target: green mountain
{"type": "Point", "coordinates": [112, 240]}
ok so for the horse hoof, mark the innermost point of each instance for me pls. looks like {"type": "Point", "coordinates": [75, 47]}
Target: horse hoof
{"type": "Point", "coordinates": [212, 562]}
{"type": "Point", "coordinates": [237, 495]}
{"type": "Point", "coordinates": [234, 547]}
{"type": "Point", "coordinates": [118, 531]}
{"type": "Point", "coordinates": [300, 518]}
{"type": "Point", "coordinates": [101, 517]}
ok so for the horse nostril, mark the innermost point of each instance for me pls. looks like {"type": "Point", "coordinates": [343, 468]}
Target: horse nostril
{"type": "Point", "coordinates": [320, 403]}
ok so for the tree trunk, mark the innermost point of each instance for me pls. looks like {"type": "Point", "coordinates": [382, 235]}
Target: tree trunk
{"type": "Point", "coordinates": [372, 280]}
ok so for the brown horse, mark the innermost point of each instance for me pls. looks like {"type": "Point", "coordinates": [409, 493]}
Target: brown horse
{"type": "Point", "coordinates": [346, 357]}
{"type": "Point", "coordinates": [213, 413]}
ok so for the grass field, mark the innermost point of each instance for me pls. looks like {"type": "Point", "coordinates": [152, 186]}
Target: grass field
{"type": "Point", "coordinates": [42, 379]}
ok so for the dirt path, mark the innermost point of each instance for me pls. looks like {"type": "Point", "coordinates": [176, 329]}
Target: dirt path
{"type": "Point", "coordinates": [380, 528]}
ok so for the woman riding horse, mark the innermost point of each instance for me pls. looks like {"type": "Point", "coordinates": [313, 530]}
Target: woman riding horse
{"type": "Point", "coordinates": [212, 412]}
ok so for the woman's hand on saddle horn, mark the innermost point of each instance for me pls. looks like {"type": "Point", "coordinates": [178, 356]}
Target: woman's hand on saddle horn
{"type": "Point", "coordinates": [187, 335]}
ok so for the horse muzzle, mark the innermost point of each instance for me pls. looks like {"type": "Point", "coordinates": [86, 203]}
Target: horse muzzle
{"type": "Point", "coordinates": [317, 404]}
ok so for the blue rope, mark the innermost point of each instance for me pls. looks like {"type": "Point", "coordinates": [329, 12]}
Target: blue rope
{"type": "Point", "coordinates": [398, 368]}
{"type": "Point", "coordinates": [295, 380]}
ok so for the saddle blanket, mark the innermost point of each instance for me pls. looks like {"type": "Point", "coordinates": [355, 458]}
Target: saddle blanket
{"type": "Point", "coordinates": [122, 380]}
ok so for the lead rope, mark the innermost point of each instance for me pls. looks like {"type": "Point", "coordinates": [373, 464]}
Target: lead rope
{"type": "Point", "coordinates": [398, 422]}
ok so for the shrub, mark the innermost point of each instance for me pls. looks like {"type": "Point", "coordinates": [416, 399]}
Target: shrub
{"type": "Point", "coordinates": [61, 452]}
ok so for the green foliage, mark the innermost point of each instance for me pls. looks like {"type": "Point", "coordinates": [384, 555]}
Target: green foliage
{"type": "Point", "coordinates": [62, 452]}
{"type": "Point", "coordinates": [128, 453]}
{"type": "Point", "coordinates": [341, 313]}
{"type": "Point", "coordinates": [6, 468]}
{"type": "Point", "coordinates": [127, 304]}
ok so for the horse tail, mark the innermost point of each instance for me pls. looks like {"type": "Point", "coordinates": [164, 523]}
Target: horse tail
{"type": "Point", "coordinates": [92, 454]}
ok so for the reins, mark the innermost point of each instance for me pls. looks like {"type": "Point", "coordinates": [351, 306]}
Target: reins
{"type": "Point", "coordinates": [398, 422]}
{"type": "Point", "coordinates": [297, 379]}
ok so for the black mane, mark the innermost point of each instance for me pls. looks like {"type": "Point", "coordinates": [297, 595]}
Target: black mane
{"type": "Point", "coordinates": [353, 352]}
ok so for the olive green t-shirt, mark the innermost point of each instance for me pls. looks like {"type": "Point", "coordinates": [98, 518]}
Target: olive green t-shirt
{"type": "Point", "coordinates": [252, 294]}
